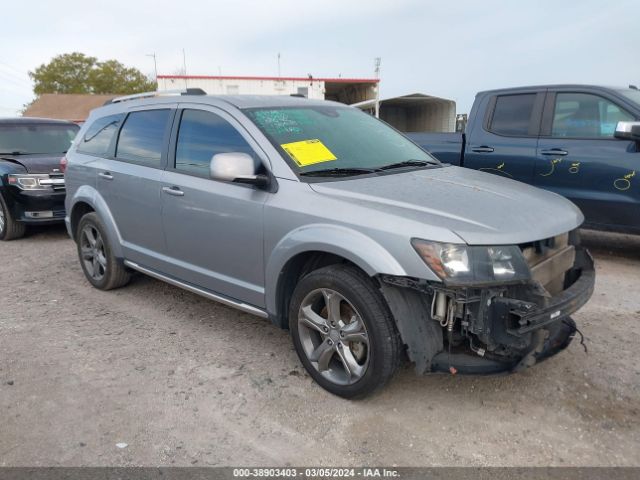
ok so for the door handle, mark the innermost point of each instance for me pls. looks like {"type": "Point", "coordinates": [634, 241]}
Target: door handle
{"type": "Point", "coordinates": [106, 175]}
{"type": "Point", "coordinates": [175, 191]}
{"type": "Point", "coordinates": [558, 152]}
{"type": "Point", "coordinates": [482, 149]}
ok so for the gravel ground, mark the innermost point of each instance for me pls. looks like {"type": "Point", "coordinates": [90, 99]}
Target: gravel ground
{"type": "Point", "coordinates": [184, 381]}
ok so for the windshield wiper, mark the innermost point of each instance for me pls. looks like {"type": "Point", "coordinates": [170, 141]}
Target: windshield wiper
{"type": "Point", "coordinates": [409, 163]}
{"type": "Point", "coordinates": [337, 172]}
{"type": "Point", "coordinates": [14, 153]}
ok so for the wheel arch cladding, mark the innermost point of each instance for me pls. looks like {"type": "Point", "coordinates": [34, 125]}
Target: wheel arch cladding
{"type": "Point", "coordinates": [87, 197]}
{"type": "Point", "coordinates": [320, 244]}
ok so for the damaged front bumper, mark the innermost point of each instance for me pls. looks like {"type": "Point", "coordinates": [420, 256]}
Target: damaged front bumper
{"type": "Point", "coordinates": [488, 330]}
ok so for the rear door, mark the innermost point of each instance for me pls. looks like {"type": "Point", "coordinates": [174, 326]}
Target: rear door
{"type": "Point", "coordinates": [130, 182]}
{"type": "Point", "coordinates": [213, 229]}
{"type": "Point", "coordinates": [504, 140]}
{"type": "Point", "coordinates": [579, 158]}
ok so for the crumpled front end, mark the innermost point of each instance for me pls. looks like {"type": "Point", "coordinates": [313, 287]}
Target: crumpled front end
{"type": "Point", "coordinates": [495, 328]}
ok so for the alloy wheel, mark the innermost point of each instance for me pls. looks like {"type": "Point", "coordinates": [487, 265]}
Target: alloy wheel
{"type": "Point", "coordinates": [92, 252]}
{"type": "Point", "coordinates": [2, 220]}
{"type": "Point", "coordinates": [333, 336]}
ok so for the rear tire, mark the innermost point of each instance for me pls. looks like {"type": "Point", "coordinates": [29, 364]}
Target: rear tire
{"type": "Point", "coordinates": [343, 331]}
{"type": "Point", "coordinates": [103, 270]}
{"type": "Point", "coordinates": [9, 228]}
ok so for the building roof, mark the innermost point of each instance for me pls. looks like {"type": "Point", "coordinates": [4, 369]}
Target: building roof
{"type": "Point", "coordinates": [404, 100]}
{"type": "Point", "coordinates": [74, 107]}
{"type": "Point", "coordinates": [300, 79]}
{"type": "Point", "coordinates": [31, 121]}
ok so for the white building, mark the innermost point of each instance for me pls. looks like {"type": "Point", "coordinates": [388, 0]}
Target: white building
{"type": "Point", "coordinates": [345, 90]}
{"type": "Point", "coordinates": [410, 113]}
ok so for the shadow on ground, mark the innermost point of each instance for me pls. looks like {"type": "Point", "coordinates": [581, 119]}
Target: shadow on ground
{"type": "Point", "coordinates": [612, 244]}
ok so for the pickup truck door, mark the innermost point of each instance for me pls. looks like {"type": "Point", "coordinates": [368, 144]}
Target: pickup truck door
{"type": "Point", "coordinates": [504, 141]}
{"type": "Point", "coordinates": [213, 229]}
{"type": "Point", "coordinates": [579, 158]}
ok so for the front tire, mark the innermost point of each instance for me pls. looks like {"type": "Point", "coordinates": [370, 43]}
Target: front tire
{"type": "Point", "coordinates": [103, 270]}
{"type": "Point", "coordinates": [343, 331]}
{"type": "Point", "coordinates": [9, 228]}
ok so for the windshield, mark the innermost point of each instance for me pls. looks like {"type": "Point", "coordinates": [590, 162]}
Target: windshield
{"type": "Point", "coordinates": [318, 138]}
{"type": "Point", "coordinates": [34, 138]}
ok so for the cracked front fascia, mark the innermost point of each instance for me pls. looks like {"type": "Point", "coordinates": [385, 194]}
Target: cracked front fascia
{"type": "Point", "coordinates": [421, 334]}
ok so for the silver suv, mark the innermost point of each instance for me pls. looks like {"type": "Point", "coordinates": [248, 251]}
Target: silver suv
{"type": "Point", "coordinates": [332, 225]}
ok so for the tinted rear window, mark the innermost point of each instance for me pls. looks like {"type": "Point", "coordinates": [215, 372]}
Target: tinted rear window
{"type": "Point", "coordinates": [512, 114]}
{"type": "Point", "coordinates": [98, 137]}
{"type": "Point", "coordinates": [141, 137]}
{"type": "Point", "coordinates": [36, 138]}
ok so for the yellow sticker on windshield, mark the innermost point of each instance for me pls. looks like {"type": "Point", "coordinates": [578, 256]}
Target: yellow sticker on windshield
{"type": "Point", "coordinates": [308, 152]}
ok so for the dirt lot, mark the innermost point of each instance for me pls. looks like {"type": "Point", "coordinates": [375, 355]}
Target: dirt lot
{"type": "Point", "coordinates": [185, 381]}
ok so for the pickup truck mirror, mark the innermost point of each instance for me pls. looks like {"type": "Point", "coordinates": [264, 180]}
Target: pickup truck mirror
{"type": "Point", "coordinates": [236, 167]}
{"type": "Point", "coordinates": [628, 131]}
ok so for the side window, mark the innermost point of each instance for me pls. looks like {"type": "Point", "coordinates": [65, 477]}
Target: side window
{"type": "Point", "coordinates": [582, 115]}
{"type": "Point", "coordinates": [512, 115]}
{"type": "Point", "coordinates": [201, 136]}
{"type": "Point", "coordinates": [98, 136]}
{"type": "Point", "coordinates": [141, 137]}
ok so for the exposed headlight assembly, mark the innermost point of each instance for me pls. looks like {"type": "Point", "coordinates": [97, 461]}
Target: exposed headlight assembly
{"type": "Point", "coordinates": [464, 265]}
{"type": "Point", "coordinates": [31, 181]}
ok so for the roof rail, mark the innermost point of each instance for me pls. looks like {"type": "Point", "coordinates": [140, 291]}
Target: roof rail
{"type": "Point", "coordinates": [161, 93]}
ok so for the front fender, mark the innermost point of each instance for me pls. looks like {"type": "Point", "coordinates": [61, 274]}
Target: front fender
{"type": "Point", "coordinates": [352, 245]}
{"type": "Point", "coordinates": [89, 195]}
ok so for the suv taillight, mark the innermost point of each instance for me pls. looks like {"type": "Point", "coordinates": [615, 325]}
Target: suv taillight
{"type": "Point", "coordinates": [63, 164]}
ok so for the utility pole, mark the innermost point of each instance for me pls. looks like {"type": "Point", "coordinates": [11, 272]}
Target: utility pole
{"type": "Point", "coordinates": [155, 66]}
{"type": "Point", "coordinates": [278, 64]}
{"type": "Point", "coordinates": [376, 62]}
{"type": "Point", "coordinates": [184, 67]}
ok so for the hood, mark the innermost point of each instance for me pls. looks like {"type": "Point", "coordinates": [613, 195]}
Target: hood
{"type": "Point", "coordinates": [39, 163]}
{"type": "Point", "coordinates": [480, 208]}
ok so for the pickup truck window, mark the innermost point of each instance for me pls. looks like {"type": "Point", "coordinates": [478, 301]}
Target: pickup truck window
{"type": "Point", "coordinates": [583, 115]}
{"type": "Point", "coordinates": [332, 137]}
{"type": "Point", "coordinates": [201, 136]}
{"type": "Point", "coordinates": [512, 114]}
{"type": "Point", "coordinates": [141, 137]}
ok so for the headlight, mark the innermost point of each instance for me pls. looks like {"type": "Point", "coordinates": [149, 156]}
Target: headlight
{"type": "Point", "coordinates": [30, 181]}
{"type": "Point", "coordinates": [462, 264]}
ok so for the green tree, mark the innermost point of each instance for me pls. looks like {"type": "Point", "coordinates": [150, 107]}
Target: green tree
{"type": "Point", "coordinates": [113, 77]}
{"type": "Point", "coordinates": [78, 73]}
{"type": "Point", "coordinates": [68, 73]}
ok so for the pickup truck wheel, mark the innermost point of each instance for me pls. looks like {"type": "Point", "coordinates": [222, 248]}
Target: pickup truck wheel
{"type": "Point", "coordinates": [9, 228]}
{"type": "Point", "coordinates": [343, 331]}
{"type": "Point", "coordinates": [99, 265]}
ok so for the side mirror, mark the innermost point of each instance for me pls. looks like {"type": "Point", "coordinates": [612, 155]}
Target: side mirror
{"type": "Point", "coordinates": [628, 131]}
{"type": "Point", "coordinates": [236, 167]}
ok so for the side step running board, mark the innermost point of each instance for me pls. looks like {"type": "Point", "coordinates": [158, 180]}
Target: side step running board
{"type": "Point", "coordinates": [199, 291]}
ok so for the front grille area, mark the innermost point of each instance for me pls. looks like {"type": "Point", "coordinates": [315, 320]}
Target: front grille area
{"type": "Point", "coordinates": [549, 261]}
{"type": "Point", "coordinates": [57, 187]}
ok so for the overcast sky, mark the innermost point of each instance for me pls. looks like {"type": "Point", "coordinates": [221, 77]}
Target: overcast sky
{"type": "Point", "coordinates": [446, 48]}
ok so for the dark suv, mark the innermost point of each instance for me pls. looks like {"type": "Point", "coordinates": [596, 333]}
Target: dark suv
{"type": "Point", "coordinates": [31, 178]}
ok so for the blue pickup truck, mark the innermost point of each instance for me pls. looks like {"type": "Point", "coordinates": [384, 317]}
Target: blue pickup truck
{"type": "Point", "coordinates": [580, 141]}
